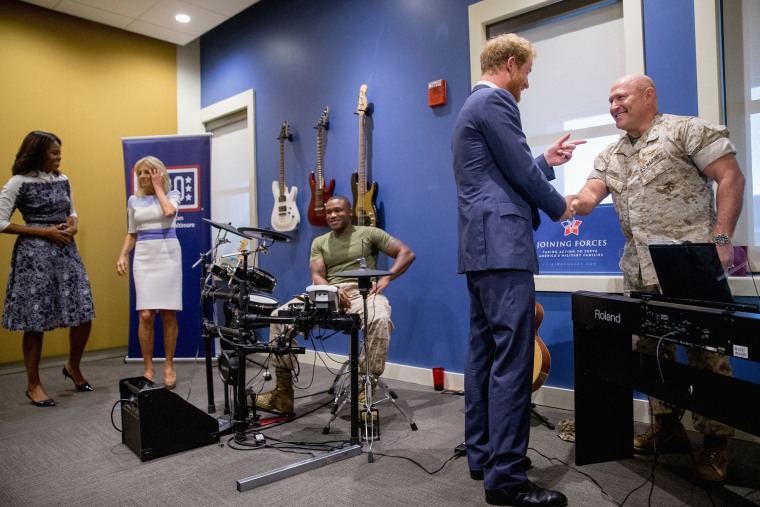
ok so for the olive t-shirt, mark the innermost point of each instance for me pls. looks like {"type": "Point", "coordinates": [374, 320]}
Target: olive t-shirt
{"type": "Point", "coordinates": [342, 253]}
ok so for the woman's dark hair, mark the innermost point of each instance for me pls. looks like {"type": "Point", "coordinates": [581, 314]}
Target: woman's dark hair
{"type": "Point", "coordinates": [32, 154]}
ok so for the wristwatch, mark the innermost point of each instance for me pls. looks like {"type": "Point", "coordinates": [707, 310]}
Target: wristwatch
{"type": "Point", "coordinates": [722, 239]}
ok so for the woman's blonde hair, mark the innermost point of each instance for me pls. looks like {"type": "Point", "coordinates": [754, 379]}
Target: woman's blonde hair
{"type": "Point", "coordinates": [500, 48]}
{"type": "Point", "coordinates": [152, 163]}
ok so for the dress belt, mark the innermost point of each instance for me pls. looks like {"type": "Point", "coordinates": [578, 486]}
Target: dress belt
{"type": "Point", "coordinates": [151, 234]}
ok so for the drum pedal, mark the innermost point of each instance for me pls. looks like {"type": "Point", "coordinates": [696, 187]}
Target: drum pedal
{"type": "Point", "coordinates": [369, 430]}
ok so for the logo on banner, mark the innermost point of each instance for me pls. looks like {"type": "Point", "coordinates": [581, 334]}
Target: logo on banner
{"type": "Point", "coordinates": [571, 226]}
{"type": "Point", "coordinates": [187, 181]}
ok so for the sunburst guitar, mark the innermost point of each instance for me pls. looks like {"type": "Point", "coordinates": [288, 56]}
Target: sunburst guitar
{"type": "Point", "coordinates": [365, 197]}
{"type": "Point", "coordinates": [285, 216]}
{"type": "Point", "coordinates": [541, 360]}
{"type": "Point", "coordinates": [320, 193]}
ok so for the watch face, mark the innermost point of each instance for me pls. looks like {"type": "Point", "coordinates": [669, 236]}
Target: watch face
{"type": "Point", "coordinates": [722, 239]}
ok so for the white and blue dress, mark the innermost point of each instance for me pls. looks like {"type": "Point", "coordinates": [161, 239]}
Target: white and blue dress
{"type": "Point", "coordinates": [157, 262]}
{"type": "Point", "coordinates": [48, 287]}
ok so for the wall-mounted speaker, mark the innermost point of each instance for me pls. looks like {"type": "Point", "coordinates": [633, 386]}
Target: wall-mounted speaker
{"type": "Point", "coordinates": [156, 422]}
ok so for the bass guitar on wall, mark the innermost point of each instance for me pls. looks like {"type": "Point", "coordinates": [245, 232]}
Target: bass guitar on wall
{"type": "Point", "coordinates": [365, 198]}
{"type": "Point", "coordinates": [285, 216]}
{"type": "Point", "coordinates": [320, 193]}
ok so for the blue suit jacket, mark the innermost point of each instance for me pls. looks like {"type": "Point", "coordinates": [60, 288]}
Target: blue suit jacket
{"type": "Point", "coordinates": [500, 186]}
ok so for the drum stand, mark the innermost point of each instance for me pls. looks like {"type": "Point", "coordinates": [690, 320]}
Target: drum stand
{"type": "Point", "coordinates": [353, 449]}
{"type": "Point", "coordinates": [211, 408]}
{"type": "Point", "coordinates": [364, 277]}
{"type": "Point", "coordinates": [342, 391]}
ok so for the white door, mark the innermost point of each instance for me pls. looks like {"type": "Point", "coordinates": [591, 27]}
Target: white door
{"type": "Point", "coordinates": [233, 175]}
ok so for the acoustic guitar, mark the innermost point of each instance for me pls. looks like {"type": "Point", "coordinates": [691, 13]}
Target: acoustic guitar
{"type": "Point", "coordinates": [365, 199]}
{"type": "Point", "coordinates": [541, 360]}
{"type": "Point", "coordinates": [285, 216]}
{"type": "Point", "coordinates": [320, 193]}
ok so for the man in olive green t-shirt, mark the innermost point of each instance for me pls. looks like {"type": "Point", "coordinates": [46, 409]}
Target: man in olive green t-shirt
{"type": "Point", "coordinates": [335, 252]}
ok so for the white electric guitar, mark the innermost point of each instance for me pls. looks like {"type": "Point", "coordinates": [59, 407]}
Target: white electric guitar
{"type": "Point", "coordinates": [285, 216]}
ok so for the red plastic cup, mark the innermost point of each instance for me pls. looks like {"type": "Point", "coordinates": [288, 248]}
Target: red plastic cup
{"type": "Point", "coordinates": [438, 378]}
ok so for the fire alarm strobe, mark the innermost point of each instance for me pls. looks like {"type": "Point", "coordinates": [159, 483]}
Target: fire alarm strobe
{"type": "Point", "coordinates": [437, 93]}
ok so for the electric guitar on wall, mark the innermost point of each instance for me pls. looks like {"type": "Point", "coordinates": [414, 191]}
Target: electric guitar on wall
{"type": "Point", "coordinates": [241, 248]}
{"type": "Point", "coordinates": [320, 193]}
{"type": "Point", "coordinates": [285, 216]}
{"type": "Point", "coordinates": [541, 360]}
{"type": "Point", "coordinates": [365, 199]}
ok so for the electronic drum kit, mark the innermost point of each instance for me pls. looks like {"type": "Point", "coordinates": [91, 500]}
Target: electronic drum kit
{"type": "Point", "coordinates": [245, 289]}
{"type": "Point", "coordinates": [248, 303]}
{"type": "Point", "coordinates": [246, 294]}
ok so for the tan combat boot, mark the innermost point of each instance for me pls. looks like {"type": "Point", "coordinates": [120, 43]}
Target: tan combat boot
{"type": "Point", "coordinates": [279, 399]}
{"type": "Point", "coordinates": [666, 434]}
{"type": "Point", "coordinates": [712, 464]}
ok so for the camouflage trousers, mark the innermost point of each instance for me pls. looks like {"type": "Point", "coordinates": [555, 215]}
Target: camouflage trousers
{"type": "Point", "coordinates": [378, 335]}
{"type": "Point", "coordinates": [698, 358]}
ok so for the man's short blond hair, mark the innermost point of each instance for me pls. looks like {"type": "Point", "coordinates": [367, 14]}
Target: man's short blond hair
{"type": "Point", "coordinates": [500, 48]}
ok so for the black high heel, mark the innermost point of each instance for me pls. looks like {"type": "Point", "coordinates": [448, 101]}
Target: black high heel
{"type": "Point", "coordinates": [50, 402]}
{"type": "Point", "coordinates": [80, 387]}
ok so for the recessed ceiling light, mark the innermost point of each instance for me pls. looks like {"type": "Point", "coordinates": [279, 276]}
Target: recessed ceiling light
{"type": "Point", "coordinates": [182, 18]}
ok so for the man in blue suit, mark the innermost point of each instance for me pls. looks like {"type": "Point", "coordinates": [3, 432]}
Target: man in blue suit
{"type": "Point", "coordinates": [500, 188]}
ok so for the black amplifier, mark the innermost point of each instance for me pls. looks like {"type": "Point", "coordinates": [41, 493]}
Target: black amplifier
{"type": "Point", "coordinates": [156, 422]}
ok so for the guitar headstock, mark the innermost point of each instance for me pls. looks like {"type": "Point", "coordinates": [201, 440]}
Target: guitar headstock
{"type": "Point", "coordinates": [242, 248]}
{"type": "Point", "coordinates": [285, 132]}
{"type": "Point", "coordinates": [323, 123]}
{"type": "Point", "coordinates": [362, 107]}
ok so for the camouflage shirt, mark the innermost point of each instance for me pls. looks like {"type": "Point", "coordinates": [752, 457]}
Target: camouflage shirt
{"type": "Point", "coordinates": [658, 188]}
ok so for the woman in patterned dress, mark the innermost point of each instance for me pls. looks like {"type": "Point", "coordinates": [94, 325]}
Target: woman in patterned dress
{"type": "Point", "coordinates": [157, 263]}
{"type": "Point", "coordinates": [48, 287]}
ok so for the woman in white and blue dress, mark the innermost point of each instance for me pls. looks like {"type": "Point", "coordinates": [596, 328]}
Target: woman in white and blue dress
{"type": "Point", "coordinates": [157, 263]}
{"type": "Point", "coordinates": [48, 287]}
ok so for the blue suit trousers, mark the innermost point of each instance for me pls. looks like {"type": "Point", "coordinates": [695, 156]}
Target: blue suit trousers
{"type": "Point", "coordinates": [498, 374]}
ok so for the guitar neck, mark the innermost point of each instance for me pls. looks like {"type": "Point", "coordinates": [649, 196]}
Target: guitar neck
{"type": "Point", "coordinates": [319, 190]}
{"type": "Point", "coordinates": [362, 183]}
{"type": "Point", "coordinates": [282, 169]}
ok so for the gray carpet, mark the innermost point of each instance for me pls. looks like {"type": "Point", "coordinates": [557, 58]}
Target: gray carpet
{"type": "Point", "coordinates": [72, 455]}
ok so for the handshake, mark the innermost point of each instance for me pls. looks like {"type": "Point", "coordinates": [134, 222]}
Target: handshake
{"type": "Point", "coordinates": [571, 207]}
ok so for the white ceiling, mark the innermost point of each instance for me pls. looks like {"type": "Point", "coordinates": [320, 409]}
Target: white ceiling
{"type": "Point", "coordinates": [152, 18]}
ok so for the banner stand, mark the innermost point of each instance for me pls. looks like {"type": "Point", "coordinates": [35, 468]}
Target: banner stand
{"type": "Point", "coordinates": [188, 161]}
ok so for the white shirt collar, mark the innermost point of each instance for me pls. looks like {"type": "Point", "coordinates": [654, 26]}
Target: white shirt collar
{"type": "Point", "coordinates": [486, 83]}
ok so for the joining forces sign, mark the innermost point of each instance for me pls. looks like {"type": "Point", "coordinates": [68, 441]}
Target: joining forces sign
{"type": "Point", "coordinates": [592, 246]}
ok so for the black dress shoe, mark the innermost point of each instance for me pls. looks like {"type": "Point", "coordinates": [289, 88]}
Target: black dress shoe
{"type": "Point", "coordinates": [80, 387]}
{"type": "Point", "coordinates": [50, 402]}
{"type": "Point", "coordinates": [526, 494]}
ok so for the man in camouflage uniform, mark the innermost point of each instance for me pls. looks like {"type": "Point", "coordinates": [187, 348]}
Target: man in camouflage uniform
{"type": "Point", "coordinates": [660, 175]}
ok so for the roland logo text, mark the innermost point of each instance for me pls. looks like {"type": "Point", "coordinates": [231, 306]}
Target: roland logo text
{"type": "Point", "coordinates": [607, 317]}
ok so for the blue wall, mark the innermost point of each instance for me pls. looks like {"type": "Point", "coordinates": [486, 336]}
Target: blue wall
{"type": "Point", "coordinates": [300, 56]}
{"type": "Point", "coordinates": [671, 59]}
